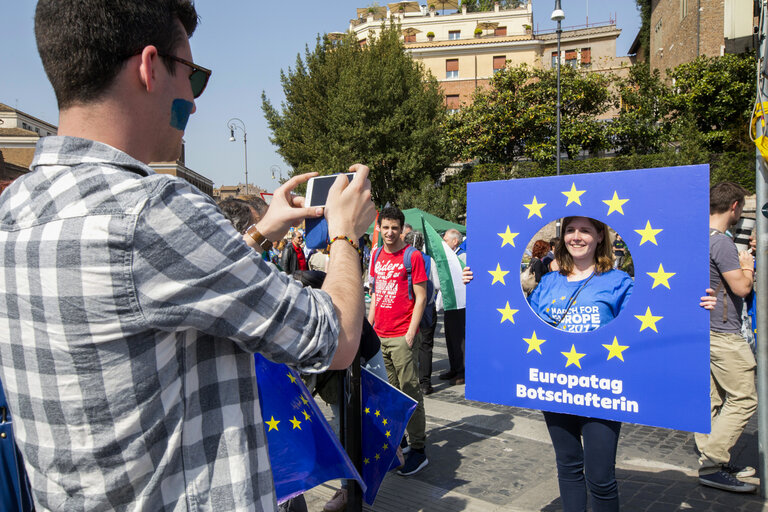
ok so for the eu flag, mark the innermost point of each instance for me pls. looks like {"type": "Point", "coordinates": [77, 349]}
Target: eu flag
{"type": "Point", "coordinates": [386, 411]}
{"type": "Point", "coordinates": [303, 450]}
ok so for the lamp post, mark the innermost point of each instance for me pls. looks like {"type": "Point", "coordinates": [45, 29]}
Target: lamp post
{"type": "Point", "coordinates": [233, 125]}
{"type": "Point", "coordinates": [558, 15]}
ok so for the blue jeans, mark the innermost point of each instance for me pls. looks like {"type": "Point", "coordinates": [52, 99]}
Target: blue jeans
{"type": "Point", "coordinates": [585, 445]}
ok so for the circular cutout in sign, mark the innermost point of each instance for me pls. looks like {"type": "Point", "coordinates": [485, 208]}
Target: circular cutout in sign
{"type": "Point", "coordinates": [578, 282]}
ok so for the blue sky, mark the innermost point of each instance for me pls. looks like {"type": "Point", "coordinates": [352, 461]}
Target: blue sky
{"type": "Point", "coordinates": [246, 43]}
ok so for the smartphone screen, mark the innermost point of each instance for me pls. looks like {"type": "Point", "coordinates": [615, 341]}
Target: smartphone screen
{"type": "Point", "coordinates": [317, 188]}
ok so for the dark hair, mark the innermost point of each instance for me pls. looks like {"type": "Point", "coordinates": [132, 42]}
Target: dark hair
{"type": "Point", "coordinates": [84, 43]}
{"type": "Point", "coordinates": [553, 241]}
{"type": "Point", "coordinates": [540, 249]}
{"type": "Point", "coordinates": [255, 202]}
{"type": "Point", "coordinates": [722, 196]}
{"type": "Point", "coordinates": [392, 213]}
{"type": "Point", "coordinates": [603, 252]}
{"type": "Point", "coordinates": [311, 278]}
{"type": "Point", "coordinates": [237, 212]}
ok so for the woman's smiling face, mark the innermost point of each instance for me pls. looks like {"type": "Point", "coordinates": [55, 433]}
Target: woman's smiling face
{"type": "Point", "coordinates": [581, 239]}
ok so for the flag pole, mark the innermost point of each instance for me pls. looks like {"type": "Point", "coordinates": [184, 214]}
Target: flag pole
{"type": "Point", "coordinates": [352, 428]}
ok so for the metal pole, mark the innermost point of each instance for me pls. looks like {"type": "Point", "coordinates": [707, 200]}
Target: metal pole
{"type": "Point", "coordinates": [353, 432]}
{"type": "Point", "coordinates": [232, 125]}
{"type": "Point", "coordinates": [245, 147]}
{"type": "Point", "coordinates": [761, 283]}
{"type": "Point", "coordinates": [557, 155]}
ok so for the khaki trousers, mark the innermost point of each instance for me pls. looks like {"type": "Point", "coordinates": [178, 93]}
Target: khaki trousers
{"type": "Point", "coordinates": [402, 364]}
{"type": "Point", "coordinates": [733, 397]}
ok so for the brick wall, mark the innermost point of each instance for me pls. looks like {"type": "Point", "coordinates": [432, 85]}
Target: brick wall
{"type": "Point", "coordinates": [674, 40]}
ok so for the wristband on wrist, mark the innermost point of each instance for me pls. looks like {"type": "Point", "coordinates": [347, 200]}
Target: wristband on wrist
{"type": "Point", "coordinates": [345, 238]}
{"type": "Point", "coordinates": [258, 237]}
{"type": "Point", "coordinates": [750, 269]}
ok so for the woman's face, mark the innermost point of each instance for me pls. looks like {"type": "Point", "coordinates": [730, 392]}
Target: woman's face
{"type": "Point", "coordinates": [581, 239]}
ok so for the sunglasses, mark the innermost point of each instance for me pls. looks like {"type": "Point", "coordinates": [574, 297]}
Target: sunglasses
{"type": "Point", "coordinates": [199, 77]}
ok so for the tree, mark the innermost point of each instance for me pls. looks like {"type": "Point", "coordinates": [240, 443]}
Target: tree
{"type": "Point", "coordinates": [487, 5]}
{"type": "Point", "coordinates": [347, 103]}
{"type": "Point", "coordinates": [716, 93]}
{"type": "Point", "coordinates": [643, 100]}
{"type": "Point", "coordinates": [516, 117]}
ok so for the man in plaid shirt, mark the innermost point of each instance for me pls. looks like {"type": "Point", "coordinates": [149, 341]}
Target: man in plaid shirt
{"type": "Point", "coordinates": [130, 307]}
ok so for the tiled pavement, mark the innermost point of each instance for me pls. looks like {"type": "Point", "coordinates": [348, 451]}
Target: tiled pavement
{"type": "Point", "coordinates": [486, 457]}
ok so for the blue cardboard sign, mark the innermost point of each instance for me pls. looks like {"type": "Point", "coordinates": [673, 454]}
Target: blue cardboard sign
{"type": "Point", "coordinates": [650, 365]}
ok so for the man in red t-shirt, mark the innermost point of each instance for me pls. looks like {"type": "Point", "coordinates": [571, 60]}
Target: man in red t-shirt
{"type": "Point", "coordinates": [396, 319]}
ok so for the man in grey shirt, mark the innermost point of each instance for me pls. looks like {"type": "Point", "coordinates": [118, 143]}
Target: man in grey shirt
{"type": "Point", "coordinates": [732, 364]}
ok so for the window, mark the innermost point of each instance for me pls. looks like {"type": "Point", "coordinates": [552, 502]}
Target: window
{"type": "Point", "coordinates": [409, 38]}
{"type": "Point", "coordinates": [454, 34]}
{"type": "Point", "coordinates": [452, 103]}
{"type": "Point", "coordinates": [586, 56]}
{"type": "Point", "coordinates": [500, 31]}
{"type": "Point", "coordinates": [499, 63]}
{"type": "Point", "coordinates": [570, 58]}
{"type": "Point", "coordinates": [363, 42]}
{"type": "Point", "coordinates": [452, 68]}
{"type": "Point", "coordinates": [554, 59]}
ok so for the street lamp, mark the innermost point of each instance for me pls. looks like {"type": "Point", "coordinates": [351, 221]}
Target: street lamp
{"type": "Point", "coordinates": [233, 125]}
{"type": "Point", "coordinates": [558, 15]}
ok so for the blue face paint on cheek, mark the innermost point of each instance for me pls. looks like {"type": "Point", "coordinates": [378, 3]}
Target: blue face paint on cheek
{"type": "Point", "coordinates": [180, 112]}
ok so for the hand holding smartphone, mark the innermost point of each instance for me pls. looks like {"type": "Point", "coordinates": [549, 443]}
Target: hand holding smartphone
{"type": "Point", "coordinates": [318, 187]}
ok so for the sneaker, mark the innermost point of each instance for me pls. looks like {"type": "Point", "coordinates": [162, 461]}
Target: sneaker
{"type": "Point", "coordinates": [404, 448]}
{"type": "Point", "coordinates": [739, 471]}
{"type": "Point", "coordinates": [415, 462]}
{"type": "Point", "coordinates": [720, 480]}
{"type": "Point", "coordinates": [337, 503]}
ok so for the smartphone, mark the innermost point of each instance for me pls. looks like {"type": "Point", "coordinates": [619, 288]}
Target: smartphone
{"type": "Point", "coordinates": [318, 187]}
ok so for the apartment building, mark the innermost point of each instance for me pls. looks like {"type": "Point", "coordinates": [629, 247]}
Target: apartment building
{"type": "Point", "coordinates": [464, 49]}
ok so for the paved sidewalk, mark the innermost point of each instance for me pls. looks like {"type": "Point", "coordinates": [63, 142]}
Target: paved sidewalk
{"type": "Point", "coordinates": [486, 458]}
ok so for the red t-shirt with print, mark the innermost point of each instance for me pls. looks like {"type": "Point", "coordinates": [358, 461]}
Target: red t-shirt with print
{"type": "Point", "coordinates": [393, 309]}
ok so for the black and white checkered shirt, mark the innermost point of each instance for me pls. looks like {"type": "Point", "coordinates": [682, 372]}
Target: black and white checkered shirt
{"type": "Point", "coordinates": [129, 312]}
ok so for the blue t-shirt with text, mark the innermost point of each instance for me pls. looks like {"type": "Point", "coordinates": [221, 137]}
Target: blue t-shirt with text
{"type": "Point", "coordinates": [601, 300]}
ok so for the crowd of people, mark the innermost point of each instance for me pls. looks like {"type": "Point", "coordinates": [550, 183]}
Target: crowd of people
{"type": "Point", "coordinates": [133, 303]}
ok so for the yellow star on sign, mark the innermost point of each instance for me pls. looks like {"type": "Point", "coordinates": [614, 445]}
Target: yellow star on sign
{"type": "Point", "coordinates": [367, 410]}
{"type": "Point", "coordinates": [648, 233]}
{"type": "Point", "coordinates": [508, 237]}
{"type": "Point", "coordinates": [377, 413]}
{"type": "Point", "coordinates": [385, 447]}
{"type": "Point", "coordinates": [293, 379]}
{"type": "Point", "coordinates": [296, 423]}
{"type": "Point", "coordinates": [615, 350]}
{"type": "Point", "coordinates": [272, 424]}
{"type": "Point", "coordinates": [366, 460]}
{"type": "Point", "coordinates": [377, 457]}
{"type": "Point", "coordinates": [660, 277]}
{"type": "Point", "coordinates": [498, 275]}
{"type": "Point", "coordinates": [573, 195]}
{"type": "Point", "coordinates": [384, 421]}
{"type": "Point", "coordinates": [388, 433]}
{"type": "Point", "coordinates": [615, 204]}
{"type": "Point", "coordinates": [304, 401]}
{"type": "Point", "coordinates": [534, 208]}
{"type": "Point", "coordinates": [306, 415]}
{"type": "Point", "coordinates": [573, 357]}
{"type": "Point", "coordinates": [507, 313]}
{"type": "Point", "coordinates": [534, 343]}
{"type": "Point", "coordinates": [648, 320]}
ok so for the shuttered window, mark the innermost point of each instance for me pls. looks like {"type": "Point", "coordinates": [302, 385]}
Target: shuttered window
{"type": "Point", "coordinates": [500, 31]}
{"type": "Point", "coordinates": [452, 68]}
{"type": "Point", "coordinates": [452, 103]}
{"type": "Point", "coordinates": [586, 56]}
{"type": "Point", "coordinates": [409, 38]}
{"type": "Point", "coordinates": [499, 62]}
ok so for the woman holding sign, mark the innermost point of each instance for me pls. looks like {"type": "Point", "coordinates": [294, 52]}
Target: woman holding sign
{"type": "Point", "coordinates": [585, 294]}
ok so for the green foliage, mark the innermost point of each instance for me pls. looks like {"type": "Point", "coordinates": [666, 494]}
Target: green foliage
{"type": "Point", "coordinates": [642, 125]}
{"type": "Point", "coordinates": [516, 117]}
{"type": "Point", "coordinates": [345, 103]}
{"type": "Point", "coordinates": [487, 5]}
{"type": "Point", "coordinates": [717, 94]}
{"type": "Point", "coordinates": [644, 34]}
